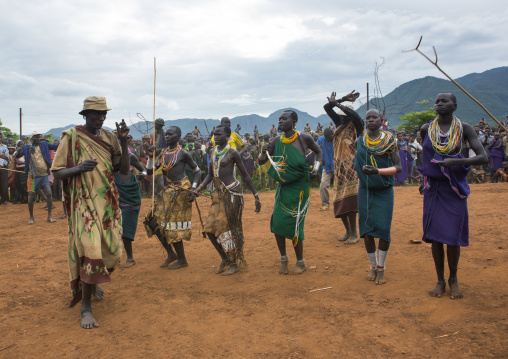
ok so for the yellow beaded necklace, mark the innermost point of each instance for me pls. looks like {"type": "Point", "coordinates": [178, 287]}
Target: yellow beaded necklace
{"type": "Point", "coordinates": [291, 139]}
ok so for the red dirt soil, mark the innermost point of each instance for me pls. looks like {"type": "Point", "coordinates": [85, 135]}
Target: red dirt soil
{"type": "Point", "coordinates": [194, 313]}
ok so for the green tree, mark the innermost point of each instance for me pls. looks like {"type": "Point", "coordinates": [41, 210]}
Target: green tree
{"type": "Point", "coordinates": [420, 118]}
{"type": "Point", "coordinates": [8, 133]}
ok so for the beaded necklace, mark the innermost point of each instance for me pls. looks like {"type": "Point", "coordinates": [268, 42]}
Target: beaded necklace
{"type": "Point", "coordinates": [384, 144]}
{"type": "Point", "coordinates": [291, 139]}
{"type": "Point", "coordinates": [446, 143]}
{"type": "Point", "coordinates": [217, 158]}
{"type": "Point", "coordinates": [174, 152]}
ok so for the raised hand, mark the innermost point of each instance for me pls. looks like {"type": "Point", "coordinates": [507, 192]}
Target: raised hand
{"type": "Point", "coordinates": [122, 130]}
{"type": "Point", "coordinates": [332, 99]}
{"type": "Point", "coordinates": [352, 96]}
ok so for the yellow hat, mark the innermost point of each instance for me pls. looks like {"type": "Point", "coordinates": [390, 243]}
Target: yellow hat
{"type": "Point", "coordinates": [94, 103]}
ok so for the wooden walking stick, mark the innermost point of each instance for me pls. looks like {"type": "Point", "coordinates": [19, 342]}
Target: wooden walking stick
{"type": "Point", "coordinates": [154, 133]}
{"type": "Point", "coordinates": [452, 80]}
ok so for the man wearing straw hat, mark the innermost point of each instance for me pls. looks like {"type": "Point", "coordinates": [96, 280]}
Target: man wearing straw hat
{"type": "Point", "coordinates": [37, 164]}
{"type": "Point", "coordinates": [86, 162]}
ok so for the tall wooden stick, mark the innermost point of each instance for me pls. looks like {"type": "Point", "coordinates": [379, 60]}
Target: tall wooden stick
{"type": "Point", "coordinates": [154, 133]}
{"type": "Point", "coordinates": [452, 80]}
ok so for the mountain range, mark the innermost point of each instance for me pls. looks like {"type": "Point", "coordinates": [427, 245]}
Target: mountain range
{"type": "Point", "coordinates": [488, 87]}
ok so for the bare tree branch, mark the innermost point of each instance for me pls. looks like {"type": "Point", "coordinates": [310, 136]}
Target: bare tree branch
{"type": "Point", "coordinates": [452, 80]}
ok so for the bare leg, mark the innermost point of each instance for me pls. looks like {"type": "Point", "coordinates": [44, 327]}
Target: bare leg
{"type": "Point", "coordinates": [171, 254]}
{"type": "Point", "coordinates": [49, 201]}
{"type": "Point", "coordinates": [353, 235]}
{"type": "Point", "coordinates": [370, 247]}
{"type": "Point", "coordinates": [300, 267]}
{"type": "Point", "coordinates": [87, 319]}
{"type": "Point", "coordinates": [281, 244]}
{"type": "Point", "coordinates": [224, 257]}
{"type": "Point", "coordinates": [233, 266]}
{"type": "Point", "coordinates": [345, 221]}
{"type": "Point", "coordinates": [453, 254]}
{"type": "Point", "coordinates": [180, 253]}
{"type": "Point", "coordinates": [127, 244]}
{"type": "Point", "coordinates": [31, 199]}
{"type": "Point", "coordinates": [380, 269]}
{"type": "Point", "coordinates": [64, 213]}
{"type": "Point", "coordinates": [438, 255]}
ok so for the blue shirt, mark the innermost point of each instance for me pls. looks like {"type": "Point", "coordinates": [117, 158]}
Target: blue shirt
{"type": "Point", "coordinates": [5, 151]}
{"type": "Point", "coordinates": [45, 147]}
{"type": "Point", "coordinates": [327, 148]}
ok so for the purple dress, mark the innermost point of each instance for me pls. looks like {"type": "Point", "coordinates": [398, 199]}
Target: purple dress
{"type": "Point", "coordinates": [401, 177]}
{"type": "Point", "coordinates": [445, 215]}
{"type": "Point", "coordinates": [496, 157]}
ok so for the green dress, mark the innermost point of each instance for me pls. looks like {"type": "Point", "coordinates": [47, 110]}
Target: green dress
{"type": "Point", "coordinates": [375, 194]}
{"type": "Point", "coordinates": [289, 168]}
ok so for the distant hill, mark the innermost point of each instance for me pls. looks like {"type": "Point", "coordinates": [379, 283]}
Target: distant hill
{"type": "Point", "coordinates": [489, 87]}
{"type": "Point", "coordinates": [57, 132]}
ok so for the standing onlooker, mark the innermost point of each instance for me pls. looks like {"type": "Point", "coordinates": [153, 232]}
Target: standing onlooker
{"type": "Point", "coordinates": [20, 176]}
{"type": "Point", "coordinates": [4, 174]}
{"type": "Point", "coordinates": [326, 144]}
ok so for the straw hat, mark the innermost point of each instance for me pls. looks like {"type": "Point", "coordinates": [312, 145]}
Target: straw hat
{"type": "Point", "coordinates": [94, 103]}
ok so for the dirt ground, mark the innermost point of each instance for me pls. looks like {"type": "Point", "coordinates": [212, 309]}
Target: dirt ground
{"type": "Point", "coordinates": [194, 313]}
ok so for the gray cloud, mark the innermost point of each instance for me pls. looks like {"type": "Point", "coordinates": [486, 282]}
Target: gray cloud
{"type": "Point", "coordinates": [226, 57]}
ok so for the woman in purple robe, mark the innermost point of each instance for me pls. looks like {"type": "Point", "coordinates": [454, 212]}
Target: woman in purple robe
{"type": "Point", "coordinates": [445, 188]}
{"type": "Point", "coordinates": [496, 153]}
{"type": "Point", "coordinates": [401, 177]}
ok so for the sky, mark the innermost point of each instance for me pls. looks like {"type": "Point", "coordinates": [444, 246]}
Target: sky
{"type": "Point", "coordinates": [227, 57]}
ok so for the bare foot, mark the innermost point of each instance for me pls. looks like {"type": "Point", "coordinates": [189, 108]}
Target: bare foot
{"type": "Point", "coordinates": [98, 292]}
{"type": "Point", "coordinates": [284, 265]}
{"type": "Point", "coordinates": [51, 220]}
{"type": "Point", "coordinates": [415, 241]}
{"type": "Point", "coordinates": [344, 237]}
{"type": "Point", "coordinates": [63, 216]}
{"type": "Point", "coordinates": [168, 260]}
{"type": "Point", "coordinates": [352, 239]}
{"type": "Point", "coordinates": [439, 290]}
{"type": "Point", "coordinates": [372, 275]}
{"type": "Point", "coordinates": [455, 292]}
{"type": "Point", "coordinates": [178, 264]}
{"type": "Point", "coordinates": [31, 221]}
{"type": "Point", "coordinates": [88, 321]}
{"type": "Point", "coordinates": [299, 268]}
{"type": "Point", "coordinates": [128, 263]}
{"type": "Point", "coordinates": [233, 268]}
{"type": "Point", "coordinates": [222, 267]}
{"type": "Point", "coordinates": [380, 278]}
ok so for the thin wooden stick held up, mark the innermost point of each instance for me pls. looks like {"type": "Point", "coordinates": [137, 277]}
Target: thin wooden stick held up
{"type": "Point", "coordinates": [452, 80]}
{"type": "Point", "coordinates": [154, 133]}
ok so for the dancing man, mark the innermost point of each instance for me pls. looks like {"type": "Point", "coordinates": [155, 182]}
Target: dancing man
{"type": "Point", "coordinates": [224, 223]}
{"type": "Point", "coordinates": [376, 163]}
{"type": "Point", "coordinates": [345, 195]}
{"type": "Point", "coordinates": [445, 188]}
{"type": "Point", "coordinates": [86, 161]}
{"type": "Point", "coordinates": [284, 160]}
{"type": "Point", "coordinates": [170, 218]}
{"type": "Point", "coordinates": [37, 165]}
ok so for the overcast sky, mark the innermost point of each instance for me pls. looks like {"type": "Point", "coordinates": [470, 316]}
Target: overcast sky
{"type": "Point", "coordinates": [229, 57]}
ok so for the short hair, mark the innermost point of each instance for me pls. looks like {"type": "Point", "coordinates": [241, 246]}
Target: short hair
{"type": "Point", "coordinates": [328, 131]}
{"type": "Point", "coordinates": [176, 129]}
{"type": "Point", "coordinates": [452, 96]}
{"type": "Point", "coordinates": [294, 115]}
{"type": "Point", "coordinates": [226, 129]}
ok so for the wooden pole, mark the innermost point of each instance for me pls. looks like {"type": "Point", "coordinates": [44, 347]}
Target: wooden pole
{"type": "Point", "coordinates": [154, 133]}
{"type": "Point", "coordinates": [367, 96]}
{"type": "Point", "coordinates": [20, 122]}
